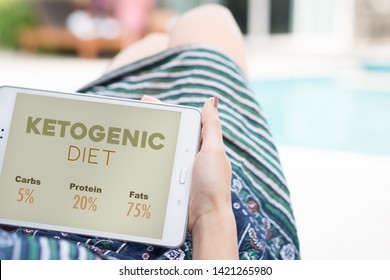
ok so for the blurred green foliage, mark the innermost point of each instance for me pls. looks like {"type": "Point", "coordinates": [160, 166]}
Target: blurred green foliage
{"type": "Point", "coordinates": [14, 15]}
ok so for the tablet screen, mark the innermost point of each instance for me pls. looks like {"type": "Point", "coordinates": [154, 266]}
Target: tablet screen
{"type": "Point", "coordinates": [90, 165]}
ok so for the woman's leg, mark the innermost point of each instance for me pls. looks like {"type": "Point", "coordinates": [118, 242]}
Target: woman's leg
{"type": "Point", "coordinates": [211, 25]}
{"type": "Point", "coordinates": [151, 44]}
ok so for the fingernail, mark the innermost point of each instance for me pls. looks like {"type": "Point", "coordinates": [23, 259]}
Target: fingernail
{"type": "Point", "coordinates": [215, 102]}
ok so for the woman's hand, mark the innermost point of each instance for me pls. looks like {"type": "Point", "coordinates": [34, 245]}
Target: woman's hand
{"type": "Point", "coordinates": [212, 171]}
{"type": "Point", "coordinates": [211, 221]}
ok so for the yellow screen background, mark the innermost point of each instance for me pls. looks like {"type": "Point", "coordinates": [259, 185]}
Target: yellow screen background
{"type": "Point", "coordinates": [45, 158]}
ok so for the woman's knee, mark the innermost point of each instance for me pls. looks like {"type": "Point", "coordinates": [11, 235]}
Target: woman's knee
{"type": "Point", "coordinates": [213, 16]}
{"type": "Point", "coordinates": [210, 12]}
{"type": "Point", "coordinates": [149, 45]}
{"type": "Point", "coordinates": [212, 25]}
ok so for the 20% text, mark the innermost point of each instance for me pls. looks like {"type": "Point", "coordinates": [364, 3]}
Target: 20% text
{"type": "Point", "coordinates": [84, 202]}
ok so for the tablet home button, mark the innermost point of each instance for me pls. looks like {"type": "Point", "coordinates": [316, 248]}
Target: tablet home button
{"type": "Point", "coordinates": [183, 176]}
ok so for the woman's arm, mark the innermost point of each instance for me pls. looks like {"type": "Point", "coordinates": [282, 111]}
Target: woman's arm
{"type": "Point", "coordinates": [211, 220]}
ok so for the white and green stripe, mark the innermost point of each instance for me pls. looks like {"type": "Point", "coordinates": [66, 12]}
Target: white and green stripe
{"type": "Point", "coordinates": [188, 75]}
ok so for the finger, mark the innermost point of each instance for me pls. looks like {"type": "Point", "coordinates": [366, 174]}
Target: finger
{"type": "Point", "coordinates": [149, 98]}
{"type": "Point", "coordinates": [212, 129]}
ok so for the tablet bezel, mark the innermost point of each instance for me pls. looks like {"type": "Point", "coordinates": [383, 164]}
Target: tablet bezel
{"type": "Point", "coordinates": [174, 231]}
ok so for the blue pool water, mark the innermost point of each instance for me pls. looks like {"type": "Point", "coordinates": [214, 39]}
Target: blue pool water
{"type": "Point", "coordinates": [327, 114]}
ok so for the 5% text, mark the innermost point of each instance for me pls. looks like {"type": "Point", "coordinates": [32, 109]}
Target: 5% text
{"type": "Point", "coordinates": [25, 195]}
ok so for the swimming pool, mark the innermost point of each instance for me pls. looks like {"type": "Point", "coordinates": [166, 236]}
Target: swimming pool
{"type": "Point", "coordinates": [326, 113]}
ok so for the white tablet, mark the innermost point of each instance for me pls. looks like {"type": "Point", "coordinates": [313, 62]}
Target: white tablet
{"type": "Point", "coordinates": [97, 166]}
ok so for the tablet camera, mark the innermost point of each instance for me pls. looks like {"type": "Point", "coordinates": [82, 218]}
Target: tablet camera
{"type": "Point", "coordinates": [1, 135]}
